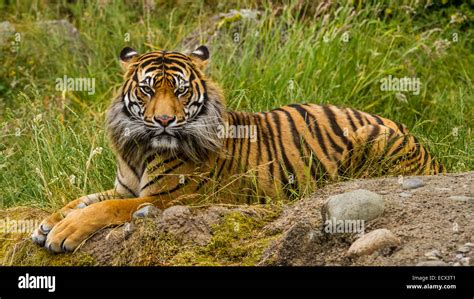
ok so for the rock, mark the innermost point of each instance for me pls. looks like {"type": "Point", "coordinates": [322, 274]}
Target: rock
{"type": "Point", "coordinates": [148, 211]}
{"type": "Point", "coordinates": [462, 198]}
{"type": "Point", "coordinates": [354, 205]}
{"type": "Point", "coordinates": [433, 254]}
{"type": "Point", "coordinates": [468, 244]}
{"type": "Point", "coordinates": [464, 249]}
{"type": "Point", "coordinates": [373, 241]}
{"type": "Point", "coordinates": [457, 264]}
{"type": "Point", "coordinates": [432, 263]}
{"type": "Point", "coordinates": [412, 183]}
{"type": "Point", "coordinates": [6, 31]}
{"type": "Point", "coordinates": [459, 256]}
{"type": "Point", "coordinates": [405, 194]}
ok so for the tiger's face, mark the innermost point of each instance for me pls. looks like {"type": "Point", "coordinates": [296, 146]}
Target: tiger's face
{"type": "Point", "coordinates": [168, 105]}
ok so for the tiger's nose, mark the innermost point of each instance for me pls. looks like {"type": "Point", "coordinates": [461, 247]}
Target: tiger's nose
{"type": "Point", "coordinates": [164, 119]}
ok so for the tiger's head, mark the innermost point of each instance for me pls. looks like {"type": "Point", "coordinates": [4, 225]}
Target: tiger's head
{"type": "Point", "coordinates": [166, 106]}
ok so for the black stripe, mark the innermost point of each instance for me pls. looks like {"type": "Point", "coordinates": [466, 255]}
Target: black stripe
{"type": "Point", "coordinates": [317, 130]}
{"type": "Point", "coordinates": [351, 122]}
{"type": "Point", "coordinates": [377, 119]}
{"type": "Point", "coordinates": [288, 166]}
{"type": "Point", "coordinates": [126, 187]}
{"type": "Point", "coordinates": [333, 123]}
{"type": "Point", "coordinates": [259, 145]}
{"type": "Point", "coordinates": [334, 145]}
{"type": "Point", "coordinates": [315, 163]}
{"type": "Point", "coordinates": [170, 191]}
{"type": "Point", "coordinates": [273, 145]}
{"type": "Point", "coordinates": [162, 162]}
{"type": "Point", "coordinates": [235, 122]}
{"type": "Point", "coordinates": [161, 175]}
{"type": "Point", "coordinates": [249, 126]}
{"type": "Point", "coordinates": [358, 117]}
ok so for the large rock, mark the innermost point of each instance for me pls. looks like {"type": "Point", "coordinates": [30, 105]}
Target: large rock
{"type": "Point", "coordinates": [355, 205]}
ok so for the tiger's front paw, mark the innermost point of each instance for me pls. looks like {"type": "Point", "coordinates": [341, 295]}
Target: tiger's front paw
{"type": "Point", "coordinates": [41, 233]}
{"type": "Point", "coordinates": [70, 232]}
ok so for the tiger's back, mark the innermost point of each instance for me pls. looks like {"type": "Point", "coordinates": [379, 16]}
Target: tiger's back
{"type": "Point", "coordinates": [299, 145]}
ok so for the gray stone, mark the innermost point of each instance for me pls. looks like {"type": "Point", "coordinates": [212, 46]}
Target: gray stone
{"type": "Point", "coordinates": [412, 183]}
{"type": "Point", "coordinates": [432, 263]}
{"type": "Point", "coordinates": [355, 205]}
{"type": "Point", "coordinates": [148, 211]}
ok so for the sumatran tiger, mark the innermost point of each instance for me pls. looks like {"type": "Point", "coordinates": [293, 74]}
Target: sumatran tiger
{"type": "Point", "coordinates": [175, 143]}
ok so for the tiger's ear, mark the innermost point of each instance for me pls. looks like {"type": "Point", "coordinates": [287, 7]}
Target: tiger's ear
{"type": "Point", "coordinates": [128, 56]}
{"type": "Point", "coordinates": [200, 57]}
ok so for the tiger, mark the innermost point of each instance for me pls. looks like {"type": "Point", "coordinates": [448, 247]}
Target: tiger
{"type": "Point", "coordinates": [176, 143]}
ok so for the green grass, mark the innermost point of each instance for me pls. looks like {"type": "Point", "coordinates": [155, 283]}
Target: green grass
{"type": "Point", "coordinates": [283, 58]}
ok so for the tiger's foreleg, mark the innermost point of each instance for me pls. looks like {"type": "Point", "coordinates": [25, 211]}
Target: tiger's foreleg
{"type": "Point", "coordinates": [39, 235]}
{"type": "Point", "coordinates": [66, 229]}
{"type": "Point", "coordinates": [79, 224]}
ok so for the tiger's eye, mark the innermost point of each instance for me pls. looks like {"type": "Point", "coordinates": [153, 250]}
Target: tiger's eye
{"type": "Point", "coordinates": [147, 90]}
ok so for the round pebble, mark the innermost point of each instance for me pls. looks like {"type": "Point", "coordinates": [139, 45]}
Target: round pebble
{"type": "Point", "coordinates": [412, 183]}
{"type": "Point", "coordinates": [373, 241]}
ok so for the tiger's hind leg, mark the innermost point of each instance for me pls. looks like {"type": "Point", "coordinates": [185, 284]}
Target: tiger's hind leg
{"type": "Point", "coordinates": [375, 150]}
{"type": "Point", "coordinates": [40, 234]}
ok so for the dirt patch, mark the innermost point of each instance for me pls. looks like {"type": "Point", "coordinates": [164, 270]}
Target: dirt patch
{"type": "Point", "coordinates": [433, 222]}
